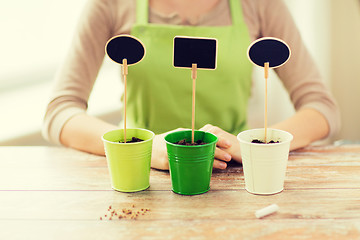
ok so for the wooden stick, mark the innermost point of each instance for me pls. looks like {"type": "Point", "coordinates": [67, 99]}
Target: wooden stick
{"type": "Point", "coordinates": [266, 72]}
{"type": "Point", "coordinates": [125, 72]}
{"type": "Point", "coordinates": [193, 76]}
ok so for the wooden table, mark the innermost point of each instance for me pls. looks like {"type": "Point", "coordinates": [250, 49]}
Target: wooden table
{"type": "Point", "coordinates": [59, 193]}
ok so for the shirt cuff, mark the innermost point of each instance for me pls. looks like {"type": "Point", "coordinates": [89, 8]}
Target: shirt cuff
{"type": "Point", "coordinates": [54, 123]}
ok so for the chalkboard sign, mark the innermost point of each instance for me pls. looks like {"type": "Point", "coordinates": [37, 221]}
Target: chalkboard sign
{"type": "Point", "coordinates": [125, 50]}
{"type": "Point", "coordinates": [125, 47]}
{"type": "Point", "coordinates": [191, 50]}
{"type": "Point", "coordinates": [268, 49]}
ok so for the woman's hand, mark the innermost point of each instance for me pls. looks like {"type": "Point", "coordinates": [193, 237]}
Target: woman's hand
{"type": "Point", "coordinates": [159, 157]}
{"type": "Point", "coordinates": [227, 147]}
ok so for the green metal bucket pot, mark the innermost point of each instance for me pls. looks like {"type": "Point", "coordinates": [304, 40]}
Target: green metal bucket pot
{"type": "Point", "coordinates": [129, 163]}
{"type": "Point", "coordinates": [190, 166]}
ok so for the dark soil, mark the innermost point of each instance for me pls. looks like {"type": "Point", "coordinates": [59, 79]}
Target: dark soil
{"type": "Point", "coordinates": [183, 142]}
{"type": "Point", "coordinates": [133, 140]}
{"type": "Point", "coordinates": [262, 142]}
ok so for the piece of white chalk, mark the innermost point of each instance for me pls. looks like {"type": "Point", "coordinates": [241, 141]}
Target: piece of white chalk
{"type": "Point", "coordinates": [266, 210]}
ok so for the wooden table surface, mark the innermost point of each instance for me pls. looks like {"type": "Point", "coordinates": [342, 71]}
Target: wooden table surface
{"type": "Point", "coordinates": [59, 193]}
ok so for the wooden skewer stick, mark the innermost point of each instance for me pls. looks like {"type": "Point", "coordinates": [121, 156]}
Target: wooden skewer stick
{"type": "Point", "coordinates": [193, 76]}
{"type": "Point", "coordinates": [266, 72]}
{"type": "Point", "coordinates": [125, 72]}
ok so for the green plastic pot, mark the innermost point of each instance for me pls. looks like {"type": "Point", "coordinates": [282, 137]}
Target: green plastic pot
{"type": "Point", "coordinates": [129, 163]}
{"type": "Point", "coordinates": [190, 166]}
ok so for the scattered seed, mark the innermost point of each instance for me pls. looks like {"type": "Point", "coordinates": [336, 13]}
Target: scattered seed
{"type": "Point", "coordinates": [125, 213]}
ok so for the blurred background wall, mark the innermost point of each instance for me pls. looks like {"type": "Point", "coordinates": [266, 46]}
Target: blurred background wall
{"type": "Point", "coordinates": [345, 64]}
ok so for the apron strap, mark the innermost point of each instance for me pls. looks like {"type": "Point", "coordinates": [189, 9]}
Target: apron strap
{"type": "Point", "coordinates": [142, 12]}
{"type": "Point", "coordinates": [236, 12]}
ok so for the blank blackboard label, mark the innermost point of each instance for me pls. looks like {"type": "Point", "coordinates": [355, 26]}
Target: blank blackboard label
{"type": "Point", "coordinates": [272, 50]}
{"type": "Point", "coordinates": [190, 50]}
{"type": "Point", "coordinates": [125, 46]}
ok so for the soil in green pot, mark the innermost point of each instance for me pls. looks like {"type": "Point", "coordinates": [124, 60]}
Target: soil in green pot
{"type": "Point", "coordinates": [183, 142]}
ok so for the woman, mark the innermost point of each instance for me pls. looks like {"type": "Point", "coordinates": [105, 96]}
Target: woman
{"type": "Point", "coordinates": [157, 91]}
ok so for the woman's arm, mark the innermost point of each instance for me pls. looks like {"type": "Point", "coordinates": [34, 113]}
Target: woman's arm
{"type": "Point", "coordinates": [75, 79]}
{"type": "Point", "coordinates": [84, 132]}
{"type": "Point", "coordinates": [300, 75]}
{"type": "Point", "coordinates": [306, 125]}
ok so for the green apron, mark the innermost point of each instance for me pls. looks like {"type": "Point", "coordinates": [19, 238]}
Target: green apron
{"type": "Point", "coordinates": [160, 96]}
